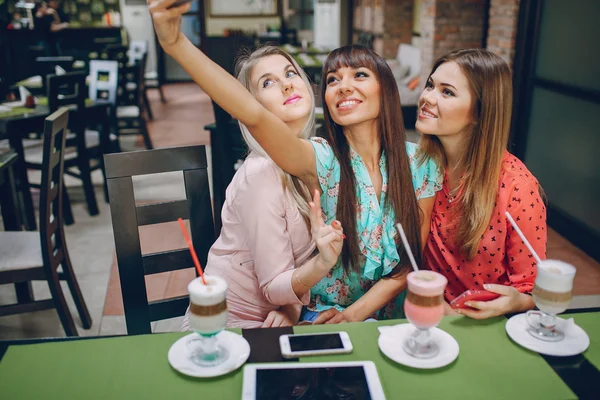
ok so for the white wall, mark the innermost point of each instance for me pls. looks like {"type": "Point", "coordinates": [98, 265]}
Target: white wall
{"type": "Point", "coordinates": [138, 23]}
{"type": "Point", "coordinates": [328, 23]}
{"type": "Point", "coordinates": [216, 26]}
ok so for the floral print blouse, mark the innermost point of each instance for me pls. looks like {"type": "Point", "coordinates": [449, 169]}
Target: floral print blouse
{"type": "Point", "coordinates": [374, 224]}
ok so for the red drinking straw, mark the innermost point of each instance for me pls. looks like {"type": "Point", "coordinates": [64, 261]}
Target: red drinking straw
{"type": "Point", "coordinates": [192, 251]}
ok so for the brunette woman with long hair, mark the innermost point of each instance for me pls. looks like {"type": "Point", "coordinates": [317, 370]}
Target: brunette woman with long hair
{"type": "Point", "coordinates": [464, 116]}
{"type": "Point", "coordinates": [370, 181]}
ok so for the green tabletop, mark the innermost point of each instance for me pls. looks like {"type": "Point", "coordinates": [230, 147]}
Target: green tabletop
{"type": "Point", "coordinates": [39, 101]}
{"type": "Point", "coordinates": [489, 366]}
{"type": "Point", "coordinates": [590, 323]}
{"type": "Point", "coordinates": [27, 83]}
{"type": "Point", "coordinates": [130, 367]}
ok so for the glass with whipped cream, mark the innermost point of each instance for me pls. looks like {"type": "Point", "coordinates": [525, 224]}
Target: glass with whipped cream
{"type": "Point", "coordinates": [551, 294]}
{"type": "Point", "coordinates": [424, 308]}
{"type": "Point", "coordinates": [208, 317]}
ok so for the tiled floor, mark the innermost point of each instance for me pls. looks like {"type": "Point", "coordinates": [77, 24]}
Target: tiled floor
{"type": "Point", "coordinates": [178, 122]}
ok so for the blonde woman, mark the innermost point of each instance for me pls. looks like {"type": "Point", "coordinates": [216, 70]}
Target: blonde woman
{"type": "Point", "coordinates": [464, 116]}
{"type": "Point", "coordinates": [265, 245]}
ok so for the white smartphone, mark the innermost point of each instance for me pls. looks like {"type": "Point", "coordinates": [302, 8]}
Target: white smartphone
{"type": "Point", "coordinates": [315, 344]}
{"type": "Point", "coordinates": [335, 380]}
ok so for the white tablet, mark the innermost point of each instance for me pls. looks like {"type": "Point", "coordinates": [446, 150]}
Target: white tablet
{"type": "Point", "coordinates": [326, 380]}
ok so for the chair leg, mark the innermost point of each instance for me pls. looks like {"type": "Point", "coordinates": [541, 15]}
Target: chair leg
{"type": "Point", "coordinates": [86, 177]}
{"type": "Point", "coordinates": [69, 274]}
{"type": "Point", "coordinates": [162, 94]}
{"type": "Point", "coordinates": [23, 184]}
{"type": "Point", "coordinates": [24, 292]}
{"type": "Point", "coordinates": [105, 184]}
{"type": "Point", "coordinates": [66, 319]}
{"type": "Point", "coordinates": [66, 207]}
{"type": "Point", "coordinates": [146, 134]}
{"type": "Point", "coordinates": [147, 105]}
{"type": "Point", "coordinates": [105, 147]}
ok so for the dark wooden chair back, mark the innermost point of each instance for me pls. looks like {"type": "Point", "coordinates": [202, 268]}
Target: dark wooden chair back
{"type": "Point", "coordinates": [116, 52]}
{"type": "Point", "coordinates": [47, 66]}
{"type": "Point", "coordinates": [131, 84]}
{"type": "Point", "coordinates": [68, 90]}
{"type": "Point", "coordinates": [52, 234]}
{"type": "Point", "coordinates": [127, 217]}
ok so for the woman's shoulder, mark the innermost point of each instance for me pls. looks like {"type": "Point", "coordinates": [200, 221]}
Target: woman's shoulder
{"type": "Point", "coordinates": [515, 172]}
{"type": "Point", "coordinates": [256, 176]}
{"type": "Point", "coordinates": [324, 155]}
{"type": "Point", "coordinates": [319, 140]}
{"type": "Point", "coordinates": [411, 148]}
{"type": "Point", "coordinates": [415, 162]}
{"type": "Point", "coordinates": [421, 166]}
{"type": "Point", "coordinates": [256, 166]}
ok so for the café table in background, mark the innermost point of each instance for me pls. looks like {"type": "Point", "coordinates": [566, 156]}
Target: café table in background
{"type": "Point", "coordinates": [9, 205]}
{"type": "Point", "coordinates": [17, 124]}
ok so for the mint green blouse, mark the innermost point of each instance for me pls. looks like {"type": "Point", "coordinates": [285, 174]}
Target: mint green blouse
{"type": "Point", "coordinates": [374, 224]}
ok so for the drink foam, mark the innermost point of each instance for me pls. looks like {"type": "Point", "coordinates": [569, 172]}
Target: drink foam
{"type": "Point", "coordinates": [555, 276]}
{"type": "Point", "coordinates": [426, 283]}
{"type": "Point", "coordinates": [214, 292]}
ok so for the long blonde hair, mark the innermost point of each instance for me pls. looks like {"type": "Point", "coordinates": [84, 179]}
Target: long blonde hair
{"type": "Point", "coordinates": [490, 84]}
{"type": "Point", "coordinates": [292, 186]}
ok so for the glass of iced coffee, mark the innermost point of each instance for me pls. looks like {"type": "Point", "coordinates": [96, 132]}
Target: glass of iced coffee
{"type": "Point", "coordinates": [552, 294]}
{"type": "Point", "coordinates": [208, 317]}
{"type": "Point", "coordinates": [424, 308]}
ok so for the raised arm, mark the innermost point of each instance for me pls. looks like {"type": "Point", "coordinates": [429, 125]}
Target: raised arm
{"type": "Point", "coordinates": [293, 155]}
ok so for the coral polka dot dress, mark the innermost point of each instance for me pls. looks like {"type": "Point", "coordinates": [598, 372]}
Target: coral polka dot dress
{"type": "Point", "coordinates": [502, 257]}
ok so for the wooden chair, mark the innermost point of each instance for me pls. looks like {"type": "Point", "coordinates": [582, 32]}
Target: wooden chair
{"type": "Point", "coordinates": [47, 66]}
{"type": "Point", "coordinates": [127, 217]}
{"type": "Point", "coordinates": [227, 144]}
{"type": "Point", "coordinates": [130, 116]}
{"type": "Point", "coordinates": [227, 147]}
{"type": "Point", "coordinates": [84, 147]}
{"type": "Point", "coordinates": [103, 88]}
{"type": "Point", "coordinates": [138, 49]}
{"type": "Point", "coordinates": [31, 256]}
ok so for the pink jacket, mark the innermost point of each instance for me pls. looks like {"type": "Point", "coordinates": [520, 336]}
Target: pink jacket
{"type": "Point", "coordinates": [262, 240]}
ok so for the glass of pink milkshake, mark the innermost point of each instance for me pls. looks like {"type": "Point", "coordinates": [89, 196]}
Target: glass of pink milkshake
{"type": "Point", "coordinates": [424, 308]}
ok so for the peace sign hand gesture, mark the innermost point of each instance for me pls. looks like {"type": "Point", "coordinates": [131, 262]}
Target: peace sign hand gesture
{"type": "Point", "coordinates": [328, 238]}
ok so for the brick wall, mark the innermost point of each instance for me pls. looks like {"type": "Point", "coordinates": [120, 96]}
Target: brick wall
{"type": "Point", "coordinates": [447, 25]}
{"type": "Point", "coordinates": [390, 21]}
{"type": "Point", "coordinates": [502, 31]}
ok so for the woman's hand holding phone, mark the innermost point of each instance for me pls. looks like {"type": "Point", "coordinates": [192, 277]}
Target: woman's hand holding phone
{"type": "Point", "coordinates": [166, 16]}
{"type": "Point", "coordinates": [495, 300]}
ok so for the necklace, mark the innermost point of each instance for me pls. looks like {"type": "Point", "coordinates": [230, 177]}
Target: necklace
{"type": "Point", "coordinates": [450, 194]}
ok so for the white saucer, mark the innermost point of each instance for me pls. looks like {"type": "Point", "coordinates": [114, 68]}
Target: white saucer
{"type": "Point", "coordinates": [391, 339]}
{"type": "Point", "coordinates": [237, 346]}
{"type": "Point", "coordinates": [576, 341]}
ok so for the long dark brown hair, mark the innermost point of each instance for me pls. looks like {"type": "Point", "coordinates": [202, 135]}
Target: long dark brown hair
{"type": "Point", "coordinates": [400, 191]}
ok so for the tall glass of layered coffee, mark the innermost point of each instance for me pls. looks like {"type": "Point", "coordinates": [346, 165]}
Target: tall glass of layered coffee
{"type": "Point", "coordinates": [552, 294]}
{"type": "Point", "coordinates": [208, 317]}
{"type": "Point", "coordinates": [424, 308]}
